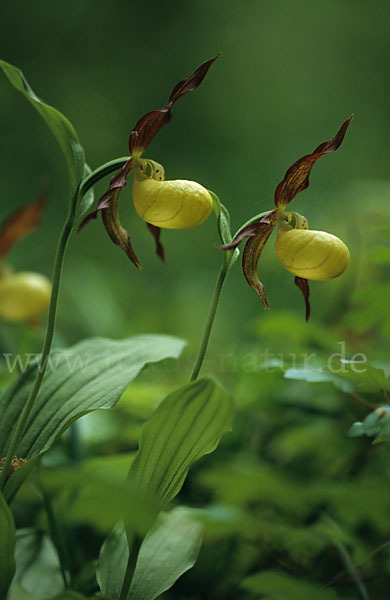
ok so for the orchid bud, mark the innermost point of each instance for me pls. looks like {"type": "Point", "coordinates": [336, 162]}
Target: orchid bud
{"type": "Point", "coordinates": [309, 254]}
{"type": "Point", "coordinates": [23, 296]}
{"type": "Point", "coordinates": [172, 204]}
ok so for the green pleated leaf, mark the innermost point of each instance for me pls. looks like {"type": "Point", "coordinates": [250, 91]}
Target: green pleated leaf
{"type": "Point", "coordinates": [187, 424]}
{"type": "Point", "coordinates": [62, 129]}
{"type": "Point", "coordinates": [92, 374]}
{"type": "Point", "coordinates": [168, 551]}
{"type": "Point", "coordinates": [7, 547]}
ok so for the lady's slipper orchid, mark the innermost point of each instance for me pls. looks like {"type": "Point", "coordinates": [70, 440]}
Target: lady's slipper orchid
{"type": "Point", "coordinates": [306, 254]}
{"type": "Point", "coordinates": [162, 204]}
{"type": "Point", "coordinates": [23, 295]}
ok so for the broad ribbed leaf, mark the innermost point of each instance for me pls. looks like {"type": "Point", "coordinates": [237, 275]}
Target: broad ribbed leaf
{"type": "Point", "coordinates": [185, 426]}
{"type": "Point", "coordinates": [7, 547]}
{"type": "Point", "coordinates": [167, 552]}
{"type": "Point", "coordinates": [62, 129]}
{"type": "Point", "coordinates": [92, 374]}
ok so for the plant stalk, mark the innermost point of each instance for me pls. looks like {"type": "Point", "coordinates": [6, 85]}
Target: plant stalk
{"type": "Point", "coordinates": [134, 547]}
{"type": "Point", "coordinates": [89, 182]}
{"type": "Point", "coordinates": [210, 321]}
{"type": "Point", "coordinates": [57, 271]}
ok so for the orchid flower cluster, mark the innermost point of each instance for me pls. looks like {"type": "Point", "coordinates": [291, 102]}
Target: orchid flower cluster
{"type": "Point", "coordinates": [180, 204]}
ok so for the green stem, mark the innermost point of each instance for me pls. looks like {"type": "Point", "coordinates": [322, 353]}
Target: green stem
{"type": "Point", "coordinates": [92, 178]}
{"type": "Point", "coordinates": [134, 546]}
{"type": "Point", "coordinates": [56, 536]}
{"type": "Point", "coordinates": [250, 221]}
{"type": "Point", "coordinates": [102, 171]}
{"type": "Point", "coordinates": [346, 559]}
{"type": "Point", "coordinates": [57, 271]}
{"type": "Point", "coordinates": [210, 320]}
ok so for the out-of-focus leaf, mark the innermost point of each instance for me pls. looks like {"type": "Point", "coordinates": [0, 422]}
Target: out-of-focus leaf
{"type": "Point", "coordinates": [101, 499]}
{"type": "Point", "coordinates": [20, 223]}
{"type": "Point", "coordinates": [92, 374]}
{"type": "Point", "coordinates": [278, 585]}
{"type": "Point", "coordinates": [7, 547]}
{"type": "Point", "coordinates": [364, 376]}
{"type": "Point", "coordinates": [37, 567]}
{"type": "Point", "coordinates": [19, 593]}
{"type": "Point", "coordinates": [319, 375]}
{"type": "Point", "coordinates": [62, 129]}
{"type": "Point", "coordinates": [187, 424]}
{"type": "Point", "coordinates": [346, 375]}
{"type": "Point", "coordinates": [376, 424]}
{"type": "Point", "coordinates": [168, 551]}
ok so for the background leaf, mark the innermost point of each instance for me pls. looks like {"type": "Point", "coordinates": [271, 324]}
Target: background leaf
{"type": "Point", "coordinates": [92, 374]}
{"type": "Point", "coordinates": [167, 552]}
{"type": "Point", "coordinates": [37, 568]}
{"type": "Point", "coordinates": [185, 426]}
{"type": "Point", "coordinates": [62, 129]}
{"type": "Point", "coordinates": [7, 547]}
{"type": "Point", "coordinates": [376, 424]}
{"type": "Point", "coordinates": [275, 584]}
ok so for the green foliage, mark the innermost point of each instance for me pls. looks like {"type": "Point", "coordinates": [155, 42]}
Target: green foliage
{"type": "Point", "coordinates": [376, 424]}
{"type": "Point", "coordinates": [186, 425]}
{"type": "Point", "coordinates": [7, 545]}
{"type": "Point", "coordinates": [275, 584]}
{"type": "Point", "coordinates": [101, 499]}
{"type": "Point", "coordinates": [168, 551]}
{"type": "Point", "coordinates": [37, 568]}
{"type": "Point", "coordinates": [92, 374]}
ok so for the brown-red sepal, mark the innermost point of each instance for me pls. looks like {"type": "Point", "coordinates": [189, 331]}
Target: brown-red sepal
{"type": "Point", "coordinates": [303, 285]}
{"type": "Point", "coordinates": [108, 206]}
{"type": "Point", "coordinates": [252, 251]}
{"type": "Point", "coordinates": [150, 124]}
{"type": "Point", "coordinates": [156, 233]}
{"type": "Point", "coordinates": [117, 182]}
{"type": "Point", "coordinates": [296, 178]}
{"type": "Point", "coordinates": [117, 233]}
{"type": "Point", "coordinates": [20, 223]}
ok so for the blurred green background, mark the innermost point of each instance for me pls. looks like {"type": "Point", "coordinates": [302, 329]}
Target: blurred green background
{"type": "Point", "coordinates": [290, 73]}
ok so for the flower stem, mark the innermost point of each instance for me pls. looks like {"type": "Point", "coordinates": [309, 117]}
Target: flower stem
{"type": "Point", "coordinates": [57, 271]}
{"type": "Point", "coordinates": [210, 320]}
{"type": "Point", "coordinates": [56, 536]}
{"type": "Point", "coordinates": [102, 171]}
{"type": "Point", "coordinates": [134, 547]}
{"type": "Point", "coordinates": [88, 182]}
